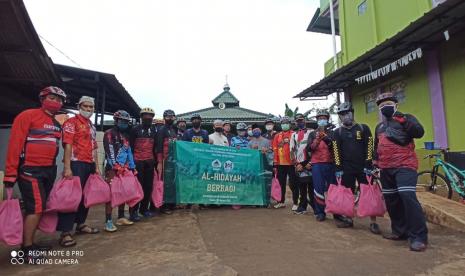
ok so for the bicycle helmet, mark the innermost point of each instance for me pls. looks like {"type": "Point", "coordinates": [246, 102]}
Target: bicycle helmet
{"type": "Point", "coordinates": [168, 112]}
{"type": "Point", "coordinates": [285, 119]}
{"type": "Point", "coordinates": [241, 126]}
{"type": "Point", "coordinates": [52, 90]}
{"type": "Point", "coordinates": [322, 112]}
{"type": "Point", "coordinates": [147, 110]}
{"type": "Point", "coordinates": [122, 115]}
{"type": "Point", "coordinates": [345, 107]}
{"type": "Point", "coordinates": [195, 116]}
{"type": "Point", "coordinates": [387, 96]}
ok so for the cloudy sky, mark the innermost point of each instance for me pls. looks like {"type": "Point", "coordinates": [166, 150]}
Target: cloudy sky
{"type": "Point", "coordinates": [175, 53]}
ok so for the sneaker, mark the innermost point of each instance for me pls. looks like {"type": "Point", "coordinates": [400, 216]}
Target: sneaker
{"type": "Point", "coordinates": [394, 237]}
{"type": "Point", "coordinates": [124, 221]}
{"type": "Point", "coordinates": [374, 228]}
{"type": "Point", "coordinates": [279, 205]}
{"type": "Point", "coordinates": [300, 211]}
{"type": "Point", "coordinates": [135, 217]}
{"type": "Point", "coordinates": [320, 217]}
{"type": "Point", "coordinates": [294, 207]}
{"type": "Point", "coordinates": [418, 246]}
{"type": "Point", "coordinates": [166, 211]}
{"type": "Point", "coordinates": [148, 214]}
{"type": "Point", "coordinates": [109, 226]}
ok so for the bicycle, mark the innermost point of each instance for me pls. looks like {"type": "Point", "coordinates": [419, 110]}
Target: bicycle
{"type": "Point", "coordinates": [435, 182]}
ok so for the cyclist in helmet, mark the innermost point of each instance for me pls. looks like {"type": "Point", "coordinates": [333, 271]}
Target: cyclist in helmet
{"type": "Point", "coordinates": [227, 130]}
{"type": "Point", "coordinates": [240, 141]}
{"type": "Point", "coordinates": [395, 156]}
{"type": "Point", "coordinates": [319, 147]}
{"type": "Point", "coordinates": [181, 124]}
{"type": "Point", "coordinates": [31, 160]}
{"type": "Point", "coordinates": [196, 134]}
{"type": "Point", "coordinates": [143, 140]}
{"type": "Point", "coordinates": [283, 163]}
{"type": "Point", "coordinates": [80, 159]}
{"type": "Point", "coordinates": [270, 132]}
{"type": "Point", "coordinates": [167, 133]}
{"type": "Point", "coordinates": [353, 155]}
{"type": "Point", "coordinates": [119, 159]}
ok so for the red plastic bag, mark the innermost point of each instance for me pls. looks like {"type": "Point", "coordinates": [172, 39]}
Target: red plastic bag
{"type": "Point", "coordinates": [140, 193]}
{"type": "Point", "coordinates": [96, 191]}
{"type": "Point", "coordinates": [371, 202]}
{"type": "Point", "coordinates": [276, 188]}
{"type": "Point", "coordinates": [158, 190]}
{"type": "Point", "coordinates": [11, 220]}
{"type": "Point", "coordinates": [66, 195]}
{"type": "Point", "coordinates": [340, 200]}
{"type": "Point", "coordinates": [123, 189]}
{"type": "Point", "coordinates": [48, 222]}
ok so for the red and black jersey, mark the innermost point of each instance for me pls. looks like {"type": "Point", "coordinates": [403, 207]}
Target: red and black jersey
{"type": "Point", "coordinates": [166, 134]}
{"type": "Point", "coordinates": [143, 142]}
{"type": "Point", "coordinates": [394, 145]}
{"type": "Point", "coordinates": [34, 140]}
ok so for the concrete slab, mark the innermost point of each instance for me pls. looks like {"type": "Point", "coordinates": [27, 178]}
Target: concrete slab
{"type": "Point", "coordinates": [443, 211]}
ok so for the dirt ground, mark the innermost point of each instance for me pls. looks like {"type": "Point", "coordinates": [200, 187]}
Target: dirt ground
{"type": "Point", "coordinates": [250, 241]}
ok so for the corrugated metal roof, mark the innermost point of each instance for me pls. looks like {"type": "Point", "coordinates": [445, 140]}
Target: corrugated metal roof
{"type": "Point", "coordinates": [424, 32]}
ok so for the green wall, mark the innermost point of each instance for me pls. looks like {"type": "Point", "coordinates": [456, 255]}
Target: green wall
{"type": "Point", "coordinates": [452, 57]}
{"type": "Point", "coordinates": [382, 20]}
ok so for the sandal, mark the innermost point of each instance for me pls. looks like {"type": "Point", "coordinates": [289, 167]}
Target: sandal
{"type": "Point", "coordinates": [64, 242]}
{"type": "Point", "coordinates": [90, 230]}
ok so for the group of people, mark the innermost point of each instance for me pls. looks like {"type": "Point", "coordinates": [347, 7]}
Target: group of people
{"type": "Point", "coordinates": [308, 159]}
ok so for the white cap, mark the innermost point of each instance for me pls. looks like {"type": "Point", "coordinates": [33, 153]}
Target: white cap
{"type": "Point", "coordinates": [86, 99]}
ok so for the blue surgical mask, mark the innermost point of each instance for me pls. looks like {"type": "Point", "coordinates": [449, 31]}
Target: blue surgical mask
{"type": "Point", "coordinates": [322, 123]}
{"type": "Point", "coordinates": [122, 125]}
{"type": "Point", "coordinates": [301, 125]}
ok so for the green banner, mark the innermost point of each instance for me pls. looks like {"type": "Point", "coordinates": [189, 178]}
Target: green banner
{"type": "Point", "coordinates": [207, 174]}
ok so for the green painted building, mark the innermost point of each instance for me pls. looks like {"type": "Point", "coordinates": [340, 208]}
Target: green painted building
{"type": "Point", "coordinates": [414, 48]}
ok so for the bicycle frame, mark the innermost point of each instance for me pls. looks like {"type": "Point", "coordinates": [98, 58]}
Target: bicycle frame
{"type": "Point", "coordinates": [449, 169]}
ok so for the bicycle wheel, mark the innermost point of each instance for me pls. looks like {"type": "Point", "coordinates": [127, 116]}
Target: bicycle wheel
{"type": "Point", "coordinates": [434, 183]}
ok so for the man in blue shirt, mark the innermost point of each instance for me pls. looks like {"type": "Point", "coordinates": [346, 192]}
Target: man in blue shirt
{"type": "Point", "coordinates": [196, 134]}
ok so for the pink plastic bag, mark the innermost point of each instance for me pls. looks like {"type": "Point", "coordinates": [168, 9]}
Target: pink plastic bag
{"type": "Point", "coordinates": [65, 196]}
{"type": "Point", "coordinates": [371, 202]}
{"type": "Point", "coordinates": [340, 200]}
{"type": "Point", "coordinates": [11, 220]}
{"type": "Point", "coordinates": [123, 189]}
{"type": "Point", "coordinates": [140, 193]}
{"type": "Point", "coordinates": [48, 222]}
{"type": "Point", "coordinates": [276, 188]}
{"type": "Point", "coordinates": [158, 190]}
{"type": "Point", "coordinates": [96, 191]}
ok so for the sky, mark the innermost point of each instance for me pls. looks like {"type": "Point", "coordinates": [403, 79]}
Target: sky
{"type": "Point", "coordinates": [176, 53]}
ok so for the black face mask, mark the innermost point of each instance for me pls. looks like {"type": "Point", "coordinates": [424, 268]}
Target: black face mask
{"type": "Point", "coordinates": [169, 122]}
{"type": "Point", "coordinates": [218, 129]}
{"type": "Point", "coordinates": [147, 122]}
{"type": "Point", "coordinates": [196, 124]}
{"type": "Point", "coordinates": [388, 110]}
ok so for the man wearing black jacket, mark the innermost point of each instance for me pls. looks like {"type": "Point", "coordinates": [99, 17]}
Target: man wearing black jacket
{"type": "Point", "coordinates": [395, 156]}
{"type": "Point", "coordinates": [353, 155]}
{"type": "Point", "coordinates": [143, 143]}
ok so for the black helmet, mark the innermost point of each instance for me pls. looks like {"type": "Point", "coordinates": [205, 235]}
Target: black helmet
{"type": "Point", "coordinates": [322, 112]}
{"type": "Point", "coordinates": [345, 107]}
{"type": "Point", "coordinates": [195, 116]}
{"type": "Point", "coordinates": [299, 116]}
{"type": "Point", "coordinates": [387, 96]}
{"type": "Point", "coordinates": [269, 120]}
{"type": "Point", "coordinates": [285, 119]}
{"type": "Point", "coordinates": [168, 112]}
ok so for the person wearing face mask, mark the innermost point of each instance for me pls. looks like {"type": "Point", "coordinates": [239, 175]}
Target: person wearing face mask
{"type": "Point", "coordinates": [119, 158]}
{"type": "Point", "coordinates": [196, 134]}
{"type": "Point", "coordinates": [269, 127]}
{"type": "Point", "coordinates": [301, 160]}
{"type": "Point", "coordinates": [395, 156]}
{"type": "Point", "coordinates": [182, 126]}
{"type": "Point", "coordinates": [143, 139]}
{"type": "Point", "coordinates": [283, 164]}
{"type": "Point", "coordinates": [227, 130]}
{"type": "Point", "coordinates": [319, 146]}
{"type": "Point", "coordinates": [240, 141]}
{"type": "Point", "coordinates": [31, 161]}
{"type": "Point", "coordinates": [217, 138]}
{"type": "Point", "coordinates": [249, 132]}
{"type": "Point", "coordinates": [80, 159]}
{"type": "Point", "coordinates": [353, 155]}
{"type": "Point", "coordinates": [166, 134]}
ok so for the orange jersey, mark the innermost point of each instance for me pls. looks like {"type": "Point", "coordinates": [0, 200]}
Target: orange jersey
{"type": "Point", "coordinates": [281, 148]}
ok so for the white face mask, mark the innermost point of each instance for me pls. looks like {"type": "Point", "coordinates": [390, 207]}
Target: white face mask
{"type": "Point", "coordinates": [86, 114]}
{"type": "Point", "coordinates": [269, 127]}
